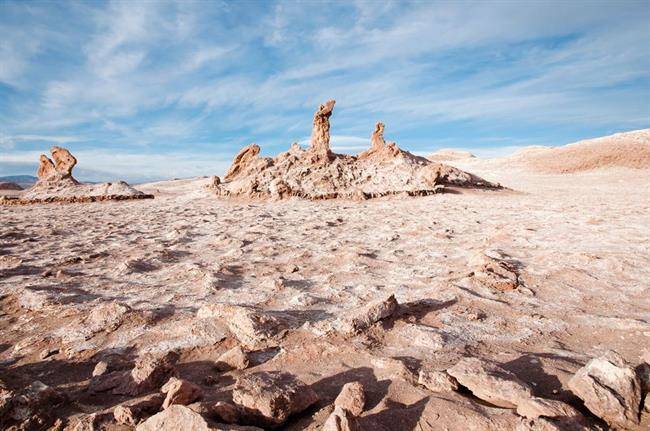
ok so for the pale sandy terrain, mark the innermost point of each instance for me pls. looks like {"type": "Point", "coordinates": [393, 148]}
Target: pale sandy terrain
{"type": "Point", "coordinates": [581, 243]}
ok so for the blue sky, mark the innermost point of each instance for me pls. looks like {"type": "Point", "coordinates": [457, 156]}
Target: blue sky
{"type": "Point", "coordinates": [145, 90]}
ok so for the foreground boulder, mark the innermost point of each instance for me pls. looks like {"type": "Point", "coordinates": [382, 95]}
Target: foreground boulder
{"type": "Point", "coordinates": [611, 389]}
{"type": "Point", "coordinates": [341, 420]}
{"type": "Point", "coordinates": [175, 418]}
{"type": "Point", "coordinates": [180, 392]}
{"type": "Point", "coordinates": [249, 324]}
{"type": "Point", "coordinates": [269, 398]}
{"type": "Point", "coordinates": [364, 317]}
{"type": "Point", "coordinates": [133, 411]}
{"type": "Point", "coordinates": [352, 398]}
{"type": "Point", "coordinates": [234, 359]}
{"type": "Point", "coordinates": [56, 184]}
{"type": "Point", "coordinates": [491, 383]}
{"type": "Point", "coordinates": [148, 374]}
{"type": "Point", "coordinates": [33, 407]}
{"type": "Point", "coordinates": [318, 173]}
{"type": "Point", "coordinates": [437, 381]}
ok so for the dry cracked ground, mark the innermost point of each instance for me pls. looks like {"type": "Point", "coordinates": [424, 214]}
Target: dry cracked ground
{"type": "Point", "coordinates": [112, 312]}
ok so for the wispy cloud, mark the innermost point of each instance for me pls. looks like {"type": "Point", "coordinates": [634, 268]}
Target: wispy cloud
{"type": "Point", "coordinates": [160, 78]}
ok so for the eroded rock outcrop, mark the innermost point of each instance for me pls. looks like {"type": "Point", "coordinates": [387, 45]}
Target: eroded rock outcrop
{"type": "Point", "coordinates": [57, 185]}
{"type": "Point", "coordinates": [269, 398]}
{"type": "Point", "coordinates": [318, 173]}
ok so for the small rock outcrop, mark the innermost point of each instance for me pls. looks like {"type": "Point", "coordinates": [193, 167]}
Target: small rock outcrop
{"type": "Point", "coordinates": [437, 381]}
{"type": "Point", "coordinates": [491, 383]}
{"type": "Point", "coordinates": [318, 173]}
{"type": "Point", "coordinates": [56, 184]}
{"type": "Point", "coordinates": [149, 373]}
{"type": "Point", "coordinates": [234, 359]}
{"type": "Point", "coordinates": [610, 389]}
{"type": "Point", "coordinates": [9, 186]}
{"type": "Point", "coordinates": [362, 318]}
{"type": "Point", "coordinates": [495, 270]}
{"type": "Point", "coordinates": [249, 324]}
{"type": "Point", "coordinates": [175, 418]}
{"type": "Point", "coordinates": [180, 391]}
{"type": "Point", "coordinates": [341, 420]}
{"type": "Point", "coordinates": [269, 398]}
{"type": "Point", "coordinates": [352, 398]}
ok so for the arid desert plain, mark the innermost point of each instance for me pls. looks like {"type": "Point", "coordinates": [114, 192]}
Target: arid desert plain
{"type": "Point", "coordinates": [465, 309]}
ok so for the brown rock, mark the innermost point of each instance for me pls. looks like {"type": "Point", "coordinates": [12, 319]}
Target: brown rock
{"type": "Point", "coordinates": [495, 270]}
{"type": "Point", "coordinates": [63, 161]}
{"type": "Point", "coordinates": [45, 168]}
{"type": "Point", "coordinates": [180, 392]}
{"type": "Point", "coordinates": [437, 381]}
{"type": "Point", "coordinates": [133, 411]}
{"type": "Point", "coordinates": [341, 420]}
{"type": "Point", "coordinates": [34, 406]}
{"type": "Point", "coordinates": [352, 398]}
{"type": "Point", "coordinates": [536, 407]}
{"type": "Point", "coordinates": [225, 412]}
{"type": "Point", "coordinates": [241, 161]}
{"type": "Point", "coordinates": [609, 388]}
{"type": "Point", "coordinates": [362, 318]}
{"type": "Point", "coordinates": [320, 135]}
{"type": "Point", "coordinates": [4, 185]}
{"type": "Point", "coordinates": [149, 373]}
{"type": "Point", "coordinates": [106, 317]}
{"type": "Point", "coordinates": [175, 418]}
{"type": "Point", "coordinates": [269, 398]}
{"type": "Point", "coordinates": [249, 324]}
{"type": "Point", "coordinates": [489, 382]}
{"type": "Point", "coordinates": [234, 359]}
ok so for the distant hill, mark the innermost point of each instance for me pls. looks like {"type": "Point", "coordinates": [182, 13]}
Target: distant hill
{"type": "Point", "coordinates": [19, 179]}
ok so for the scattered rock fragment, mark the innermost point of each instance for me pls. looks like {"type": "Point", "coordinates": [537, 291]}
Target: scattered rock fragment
{"type": "Point", "coordinates": [34, 406]}
{"type": "Point", "coordinates": [234, 359]}
{"type": "Point", "coordinates": [249, 324]}
{"type": "Point", "coordinates": [175, 418]}
{"type": "Point", "coordinates": [362, 318]}
{"type": "Point", "coordinates": [437, 381]}
{"type": "Point", "coordinates": [269, 398]}
{"type": "Point", "coordinates": [491, 383]}
{"type": "Point", "coordinates": [341, 420]}
{"type": "Point", "coordinates": [352, 398]}
{"type": "Point", "coordinates": [133, 411]}
{"type": "Point", "coordinates": [495, 270]}
{"type": "Point", "coordinates": [225, 412]}
{"type": "Point", "coordinates": [180, 392]}
{"type": "Point", "coordinates": [106, 317]}
{"type": "Point", "coordinates": [535, 407]}
{"type": "Point", "coordinates": [610, 389]}
{"type": "Point", "coordinates": [149, 373]}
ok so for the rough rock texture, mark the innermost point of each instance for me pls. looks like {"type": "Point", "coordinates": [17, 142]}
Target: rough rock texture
{"type": "Point", "coordinates": [609, 388]}
{"type": "Point", "coordinates": [33, 407]}
{"type": "Point", "coordinates": [56, 184]}
{"type": "Point", "coordinates": [317, 173]}
{"type": "Point", "coordinates": [180, 392]}
{"type": "Point", "coordinates": [437, 381]}
{"type": "Point", "coordinates": [133, 411]}
{"type": "Point", "coordinates": [225, 412]}
{"type": "Point", "coordinates": [341, 420]}
{"type": "Point", "coordinates": [269, 398]}
{"type": "Point", "coordinates": [360, 319]}
{"type": "Point", "coordinates": [489, 382]}
{"type": "Point", "coordinates": [149, 372]}
{"type": "Point", "coordinates": [320, 134]}
{"type": "Point", "coordinates": [250, 325]}
{"type": "Point", "coordinates": [234, 359]}
{"type": "Point", "coordinates": [175, 418]}
{"type": "Point", "coordinates": [534, 408]}
{"type": "Point", "coordinates": [495, 270]}
{"type": "Point", "coordinates": [352, 398]}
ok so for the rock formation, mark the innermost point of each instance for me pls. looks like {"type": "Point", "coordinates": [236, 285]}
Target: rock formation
{"type": "Point", "coordinates": [56, 184]}
{"type": "Point", "coordinates": [320, 134]}
{"type": "Point", "coordinates": [318, 173]}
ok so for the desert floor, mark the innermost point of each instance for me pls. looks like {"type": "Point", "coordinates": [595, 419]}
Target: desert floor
{"type": "Point", "coordinates": [581, 241]}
